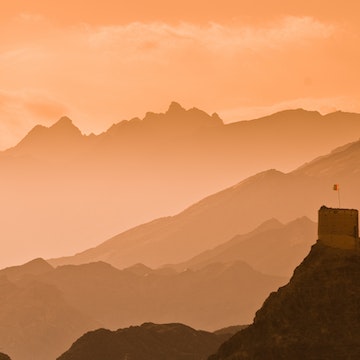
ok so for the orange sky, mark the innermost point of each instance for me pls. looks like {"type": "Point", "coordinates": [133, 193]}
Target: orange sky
{"type": "Point", "coordinates": [101, 62]}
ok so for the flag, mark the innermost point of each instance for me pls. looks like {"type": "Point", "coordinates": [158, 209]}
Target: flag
{"type": "Point", "coordinates": [336, 187]}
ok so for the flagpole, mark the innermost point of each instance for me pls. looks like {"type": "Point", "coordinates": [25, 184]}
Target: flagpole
{"type": "Point", "coordinates": [336, 187]}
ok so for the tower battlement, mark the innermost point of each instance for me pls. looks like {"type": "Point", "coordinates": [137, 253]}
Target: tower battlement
{"type": "Point", "coordinates": [338, 227]}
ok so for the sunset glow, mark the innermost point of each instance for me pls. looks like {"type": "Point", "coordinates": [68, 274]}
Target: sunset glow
{"type": "Point", "coordinates": [167, 177]}
{"type": "Point", "coordinates": [102, 64]}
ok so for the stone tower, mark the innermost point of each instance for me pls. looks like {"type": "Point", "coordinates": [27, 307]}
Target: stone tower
{"type": "Point", "coordinates": [338, 227]}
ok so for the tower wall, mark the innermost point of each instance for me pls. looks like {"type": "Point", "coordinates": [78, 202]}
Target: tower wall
{"type": "Point", "coordinates": [338, 227]}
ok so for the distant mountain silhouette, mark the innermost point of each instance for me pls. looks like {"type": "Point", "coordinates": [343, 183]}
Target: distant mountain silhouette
{"type": "Point", "coordinates": [315, 316]}
{"type": "Point", "coordinates": [122, 298]}
{"type": "Point", "coordinates": [46, 142]}
{"type": "Point", "coordinates": [139, 170]}
{"type": "Point", "coordinates": [30, 269]}
{"type": "Point", "coordinates": [272, 248]}
{"type": "Point", "coordinates": [219, 217]}
{"type": "Point", "coordinates": [42, 314]}
{"type": "Point", "coordinates": [148, 341]}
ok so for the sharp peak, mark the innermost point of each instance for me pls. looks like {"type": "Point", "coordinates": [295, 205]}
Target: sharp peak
{"type": "Point", "coordinates": [269, 224]}
{"type": "Point", "coordinates": [65, 118]}
{"type": "Point", "coordinates": [175, 107]}
{"type": "Point", "coordinates": [176, 112]}
{"type": "Point", "coordinates": [300, 220]}
{"type": "Point", "coordinates": [63, 121]}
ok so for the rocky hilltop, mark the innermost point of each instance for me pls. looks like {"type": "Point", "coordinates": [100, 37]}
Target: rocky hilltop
{"type": "Point", "coordinates": [315, 316]}
{"type": "Point", "coordinates": [4, 357]}
{"type": "Point", "coordinates": [148, 341]}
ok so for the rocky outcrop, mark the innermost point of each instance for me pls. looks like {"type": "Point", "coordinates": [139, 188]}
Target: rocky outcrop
{"type": "Point", "coordinates": [4, 357]}
{"type": "Point", "coordinates": [315, 316]}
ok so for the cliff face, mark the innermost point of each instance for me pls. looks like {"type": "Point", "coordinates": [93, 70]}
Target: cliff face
{"type": "Point", "coordinates": [315, 316]}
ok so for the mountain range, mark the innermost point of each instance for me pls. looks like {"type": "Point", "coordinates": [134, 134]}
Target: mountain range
{"type": "Point", "coordinates": [272, 248]}
{"type": "Point", "coordinates": [44, 309]}
{"type": "Point", "coordinates": [235, 210]}
{"type": "Point", "coordinates": [70, 191]}
{"type": "Point", "coordinates": [207, 259]}
{"type": "Point", "coordinates": [315, 316]}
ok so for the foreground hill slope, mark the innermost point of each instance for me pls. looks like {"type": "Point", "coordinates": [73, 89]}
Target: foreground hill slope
{"type": "Point", "coordinates": [316, 316]}
{"type": "Point", "coordinates": [146, 342]}
{"type": "Point", "coordinates": [4, 357]}
{"type": "Point", "coordinates": [143, 169]}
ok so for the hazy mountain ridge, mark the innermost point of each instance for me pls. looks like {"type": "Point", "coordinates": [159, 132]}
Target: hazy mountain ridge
{"type": "Point", "coordinates": [46, 142]}
{"type": "Point", "coordinates": [30, 269]}
{"type": "Point", "coordinates": [175, 118]}
{"type": "Point", "coordinates": [42, 312]}
{"type": "Point", "coordinates": [314, 316]}
{"type": "Point", "coordinates": [344, 160]}
{"type": "Point", "coordinates": [119, 297]}
{"type": "Point", "coordinates": [272, 248]}
{"type": "Point", "coordinates": [241, 207]}
{"type": "Point", "coordinates": [36, 322]}
{"type": "Point", "coordinates": [148, 341]}
{"type": "Point", "coordinates": [144, 169]}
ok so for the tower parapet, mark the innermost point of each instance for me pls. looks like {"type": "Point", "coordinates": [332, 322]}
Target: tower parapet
{"type": "Point", "coordinates": [338, 227]}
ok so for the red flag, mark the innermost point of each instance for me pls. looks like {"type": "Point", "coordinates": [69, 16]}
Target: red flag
{"type": "Point", "coordinates": [336, 187]}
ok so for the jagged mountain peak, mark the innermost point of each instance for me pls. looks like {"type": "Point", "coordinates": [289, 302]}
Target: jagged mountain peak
{"type": "Point", "coordinates": [176, 114]}
{"type": "Point", "coordinates": [63, 121]}
{"type": "Point", "coordinates": [175, 108]}
{"type": "Point", "coordinates": [176, 120]}
{"type": "Point", "coordinates": [66, 126]}
{"type": "Point", "coordinates": [42, 140]}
